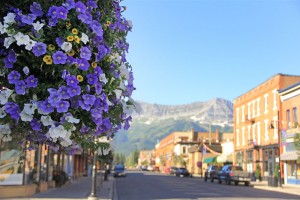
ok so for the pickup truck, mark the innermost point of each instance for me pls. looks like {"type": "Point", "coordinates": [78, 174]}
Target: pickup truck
{"type": "Point", "coordinates": [230, 173]}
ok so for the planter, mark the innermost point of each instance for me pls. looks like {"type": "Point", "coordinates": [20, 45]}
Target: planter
{"type": "Point", "coordinates": [14, 191]}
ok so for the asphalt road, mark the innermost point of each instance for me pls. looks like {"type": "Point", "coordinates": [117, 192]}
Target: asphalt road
{"type": "Point", "coordinates": [140, 185]}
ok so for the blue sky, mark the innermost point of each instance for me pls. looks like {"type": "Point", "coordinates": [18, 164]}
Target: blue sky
{"type": "Point", "coordinates": [184, 51]}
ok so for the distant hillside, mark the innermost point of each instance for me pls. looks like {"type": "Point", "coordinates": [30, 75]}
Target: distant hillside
{"type": "Point", "coordinates": [157, 121]}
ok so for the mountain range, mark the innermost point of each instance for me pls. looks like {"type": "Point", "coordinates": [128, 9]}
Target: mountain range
{"type": "Point", "coordinates": [155, 121]}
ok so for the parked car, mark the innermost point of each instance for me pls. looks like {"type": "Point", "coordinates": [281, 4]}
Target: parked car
{"type": "Point", "coordinates": [173, 170]}
{"type": "Point", "coordinates": [236, 174]}
{"type": "Point", "coordinates": [182, 172]}
{"type": "Point", "coordinates": [119, 170]}
{"type": "Point", "coordinates": [212, 172]}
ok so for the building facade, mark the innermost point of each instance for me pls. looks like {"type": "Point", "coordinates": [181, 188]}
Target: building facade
{"type": "Point", "coordinates": [255, 143]}
{"type": "Point", "coordinates": [290, 100]}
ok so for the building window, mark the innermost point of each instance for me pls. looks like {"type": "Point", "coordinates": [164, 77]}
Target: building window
{"type": "Point", "coordinates": [184, 150]}
{"type": "Point", "coordinates": [275, 100]}
{"type": "Point", "coordinates": [288, 118]}
{"type": "Point", "coordinates": [249, 110]}
{"type": "Point", "coordinates": [237, 116]}
{"type": "Point", "coordinates": [258, 107]}
{"type": "Point", "coordinates": [266, 130]}
{"type": "Point", "coordinates": [295, 117]}
{"type": "Point", "coordinates": [249, 158]}
{"type": "Point", "coordinates": [253, 133]}
{"type": "Point", "coordinates": [243, 136]}
{"type": "Point", "coordinates": [266, 103]}
{"type": "Point", "coordinates": [237, 137]}
{"type": "Point", "coordinates": [258, 133]}
{"type": "Point", "coordinates": [249, 133]}
{"type": "Point", "coordinates": [239, 158]}
{"type": "Point", "coordinates": [243, 113]}
{"type": "Point", "coordinates": [253, 109]}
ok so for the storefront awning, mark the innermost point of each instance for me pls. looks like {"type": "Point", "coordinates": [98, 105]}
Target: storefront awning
{"type": "Point", "coordinates": [210, 160]}
{"type": "Point", "coordinates": [292, 155]}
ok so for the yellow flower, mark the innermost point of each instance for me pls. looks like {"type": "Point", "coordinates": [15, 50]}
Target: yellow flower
{"type": "Point", "coordinates": [70, 38]}
{"type": "Point", "coordinates": [108, 23]}
{"type": "Point", "coordinates": [71, 53]}
{"type": "Point", "coordinates": [74, 31]}
{"type": "Point", "coordinates": [94, 64]}
{"type": "Point", "coordinates": [51, 47]}
{"type": "Point", "coordinates": [47, 59]}
{"type": "Point", "coordinates": [77, 39]}
{"type": "Point", "coordinates": [79, 78]}
{"type": "Point", "coordinates": [68, 24]}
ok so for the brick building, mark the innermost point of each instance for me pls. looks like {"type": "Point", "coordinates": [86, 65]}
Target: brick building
{"type": "Point", "coordinates": [254, 112]}
{"type": "Point", "coordinates": [290, 105]}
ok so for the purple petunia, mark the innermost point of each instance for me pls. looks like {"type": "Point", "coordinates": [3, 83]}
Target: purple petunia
{"type": "Point", "coordinates": [88, 99]}
{"type": "Point", "coordinates": [8, 64]}
{"type": "Point", "coordinates": [96, 112]}
{"type": "Point", "coordinates": [12, 57]}
{"type": "Point", "coordinates": [45, 107]}
{"type": "Point", "coordinates": [84, 129]}
{"type": "Point", "coordinates": [98, 70]}
{"type": "Point", "coordinates": [52, 12]}
{"type": "Point", "coordinates": [83, 64]}
{"type": "Point", "coordinates": [52, 21]}
{"type": "Point", "coordinates": [13, 77]}
{"type": "Point", "coordinates": [92, 79]}
{"type": "Point", "coordinates": [74, 90]}
{"type": "Point", "coordinates": [64, 92]}
{"type": "Point", "coordinates": [54, 98]}
{"type": "Point", "coordinates": [84, 106]}
{"type": "Point", "coordinates": [31, 81]}
{"type": "Point", "coordinates": [39, 49]}
{"type": "Point", "coordinates": [69, 4]}
{"type": "Point", "coordinates": [59, 41]}
{"type": "Point", "coordinates": [36, 9]}
{"type": "Point", "coordinates": [35, 125]}
{"type": "Point", "coordinates": [98, 87]}
{"type": "Point", "coordinates": [80, 7]}
{"type": "Point", "coordinates": [59, 57]}
{"type": "Point", "coordinates": [28, 19]}
{"type": "Point", "coordinates": [62, 106]}
{"type": "Point", "coordinates": [72, 81]}
{"type": "Point", "coordinates": [20, 87]}
{"type": "Point", "coordinates": [86, 18]}
{"type": "Point", "coordinates": [97, 28]}
{"type": "Point", "coordinates": [61, 12]}
{"type": "Point", "coordinates": [13, 109]}
{"type": "Point", "coordinates": [85, 53]}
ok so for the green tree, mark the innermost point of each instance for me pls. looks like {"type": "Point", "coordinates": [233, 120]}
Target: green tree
{"type": "Point", "coordinates": [132, 160]}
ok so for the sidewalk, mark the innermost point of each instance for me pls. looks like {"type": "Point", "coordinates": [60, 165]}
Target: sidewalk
{"type": "Point", "coordinates": [289, 189]}
{"type": "Point", "coordinates": [263, 185]}
{"type": "Point", "coordinates": [79, 189]}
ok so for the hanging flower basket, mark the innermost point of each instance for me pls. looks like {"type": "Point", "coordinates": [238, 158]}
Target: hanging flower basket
{"type": "Point", "coordinates": [64, 76]}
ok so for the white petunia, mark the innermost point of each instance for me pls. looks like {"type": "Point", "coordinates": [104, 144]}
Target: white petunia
{"type": "Point", "coordinates": [6, 138]}
{"type": "Point", "coordinates": [29, 108]}
{"type": "Point", "coordinates": [10, 18]}
{"type": "Point", "coordinates": [5, 130]}
{"type": "Point", "coordinates": [22, 39]}
{"type": "Point", "coordinates": [122, 86]}
{"type": "Point", "coordinates": [124, 71]}
{"type": "Point", "coordinates": [84, 38]}
{"type": "Point", "coordinates": [66, 46]}
{"type": "Point", "coordinates": [38, 25]}
{"type": "Point", "coordinates": [8, 41]}
{"type": "Point", "coordinates": [71, 119]}
{"type": "Point", "coordinates": [30, 45]}
{"type": "Point", "coordinates": [127, 109]}
{"type": "Point", "coordinates": [109, 103]}
{"type": "Point", "coordinates": [25, 117]}
{"type": "Point", "coordinates": [2, 112]}
{"type": "Point", "coordinates": [3, 28]}
{"type": "Point", "coordinates": [102, 78]}
{"type": "Point", "coordinates": [47, 121]}
{"type": "Point", "coordinates": [118, 93]}
{"type": "Point", "coordinates": [4, 95]}
{"type": "Point", "coordinates": [129, 23]}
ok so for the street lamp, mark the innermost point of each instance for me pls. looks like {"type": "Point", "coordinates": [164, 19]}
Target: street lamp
{"type": "Point", "coordinates": [278, 132]}
{"type": "Point", "coordinates": [99, 151]}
